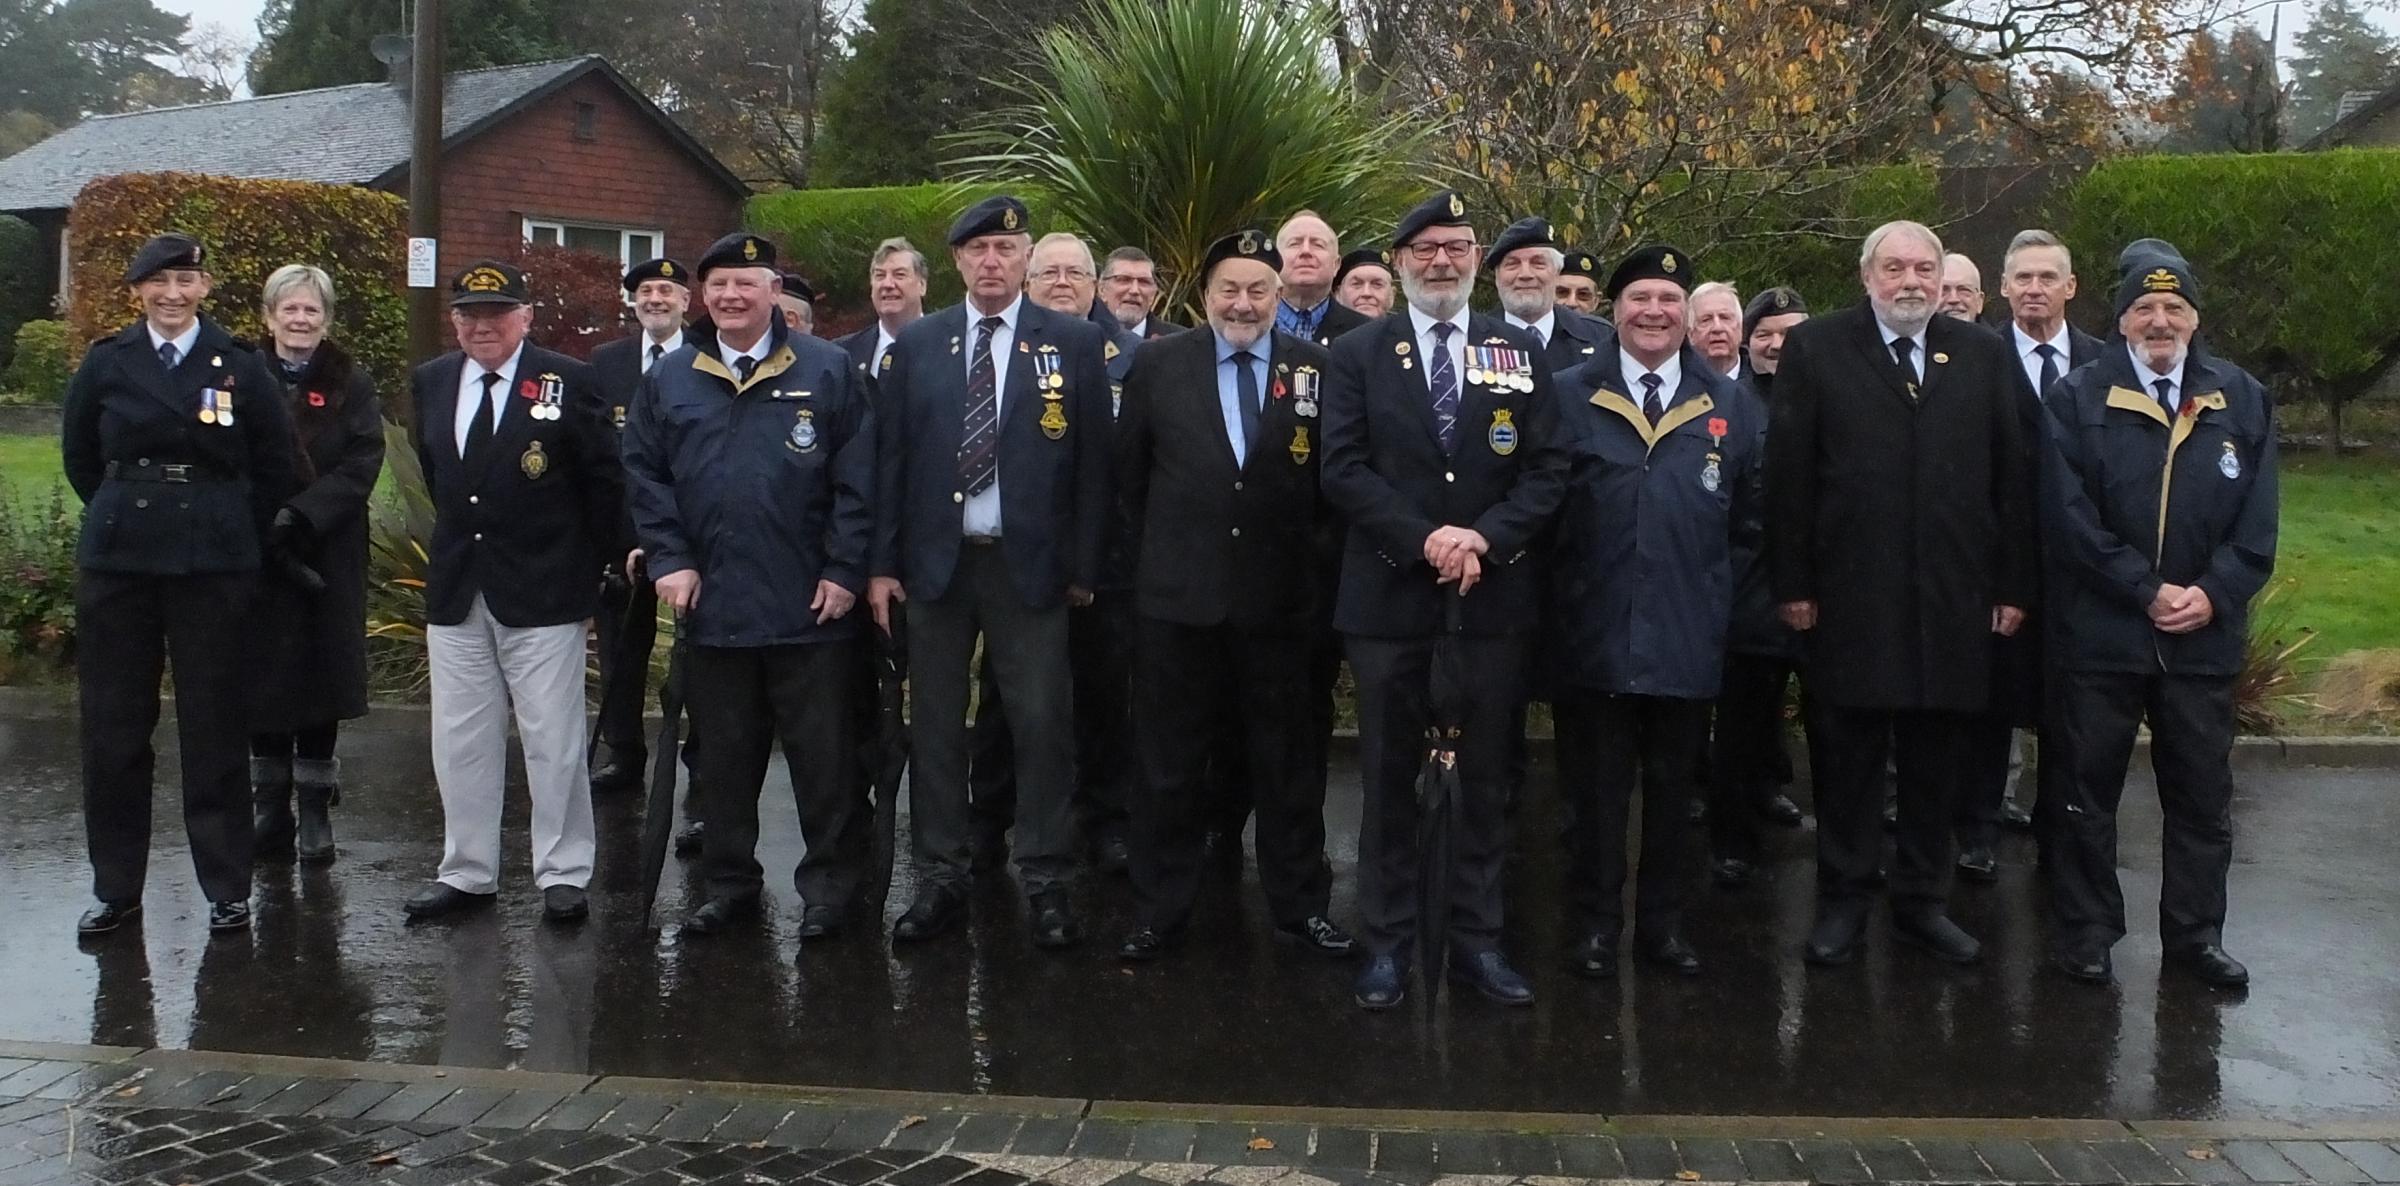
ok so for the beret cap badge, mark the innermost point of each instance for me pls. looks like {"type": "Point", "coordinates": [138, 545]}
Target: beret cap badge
{"type": "Point", "coordinates": [484, 280]}
{"type": "Point", "coordinates": [2162, 280]}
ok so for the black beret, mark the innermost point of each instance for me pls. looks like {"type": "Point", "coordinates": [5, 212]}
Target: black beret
{"type": "Point", "coordinates": [1774, 302]}
{"type": "Point", "coordinates": [1364, 257]}
{"type": "Point", "coordinates": [656, 269]}
{"type": "Point", "coordinates": [1524, 232]}
{"type": "Point", "coordinates": [489, 282]}
{"type": "Point", "coordinates": [999, 214]}
{"type": "Point", "coordinates": [161, 253]}
{"type": "Point", "coordinates": [2154, 265]}
{"type": "Point", "coordinates": [1580, 263]}
{"type": "Point", "coordinates": [1655, 262]}
{"type": "Point", "coordinates": [1247, 244]}
{"type": "Point", "coordinates": [1442, 209]}
{"type": "Point", "coordinates": [738, 250]}
{"type": "Point", "coordinates": [798, 285]}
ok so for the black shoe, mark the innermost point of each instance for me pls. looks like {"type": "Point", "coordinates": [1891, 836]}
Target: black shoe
{"type": "Point", "coordinates": [2210, 963]}
{"type": "Point", "coordinates": [229, 916]}
{"type": "Point", "coordinates": [1732, 871]}
{"type": "Point", "coordinates": [988, 853]}
{"type": "Point", "coordinates": [1055, 927]}
{"type": "Point", "coordinates": [1778, 809]}
{"type": "Point", "coordinates": [1936, 934]}
{"type": "Point", "coordinates": [717, 914]}
{"type": "Point", "coordinates": [1319, 932]}
{"type": "Point", "coordinates": [1144, 944]}
{"type": "Point", "coordinates": [2085, 962]}
{"type": "Point", "coordinates": [621, 772]}
{"type": "Point", "coordinates": [565, 903]}
{"type": "Point", "coordinates": [442, 898]}
{"type": "Point", "coordinates": [271, 823]}
{"type": "Point", "coordinates": [1487, 972]}
{"type": "Point", "coordinates": [1594, 957]}
{"type": "Point", "coordinates": [106, 917]}
{"type": "Point", "coordinates": [314, 844]}
{"type": "Point", "coordinates": [1835, 937]}
{"type": "Point", "coordinates": [2015, 818]}
{"type": "Point", "coordinates": [1382, 984]}
{"type": "Point", "coordinates": [1978, 865]}
{"type": "Point", "coordinates": [821, 922]}
{"type": "Point", "coordinates": [691, 839]}
{"type": "Point", "coordinates": [1112, 855]}
{"type": "Point", "coordinates": [1696, 811]}
{"type": "Point", "coordinates": [935, 911]}
{"type": "Point", "coordinates": [1673, 954]}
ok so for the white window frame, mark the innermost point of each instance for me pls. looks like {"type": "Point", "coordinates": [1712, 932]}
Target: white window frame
{"type": "Point", "coordinates": [555, 232]}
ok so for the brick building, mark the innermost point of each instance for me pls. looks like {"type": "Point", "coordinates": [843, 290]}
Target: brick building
{"type": "Point", "coordinates": [561, 152]}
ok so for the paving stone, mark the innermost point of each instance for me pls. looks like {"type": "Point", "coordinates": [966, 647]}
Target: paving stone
{"type": "Point", "coordinates": [1112, 1139]}
{"type": "Point", "coordinates": [2261, 1162]}
{"type": "Point", "coordinates": [587, 1149]}
{"type": "Point", "coordinates": [1397, 1152]}
{"type": "Point", "coordinates": [750, 1122]}
{"type": "Point", "coordinates": [1349, 1148]}
{"type": "Point", "coordinates": [692, 1119]}
{"type": "Point", "coordinates": [408, 1103]}
{"type": "Point", "coordinates": [2379, 1162]}
{"type": "Point", "coordinates": [1831, 1161]}
{"type": "Point", "coordinates": [637, 1115]}
{"type": "Point", "coordinates": [579, 1112]}
{"type": "Point", "coordinates": [1714, 1159]}
{"type": "Point", "coordinates": [936, 1171]}
{"type": "Point", "coordinates": [807, 1128]}
{"type": "Point", "coordinates": [354, 1099]}
{"type": "Point", "coordinates": [1044, 1136]}
{"type": "Point", "coordinates": [2212, 1168]}
{"type": "Point", "coordinates": [239, 1135]}
{"type": "Point", "coordinates": [866, 1128]}
{"type": "Point", "coordinates": [2320, 1162]}
{"type": "Point", "coordinates": [1287, 1144]}
{"type": "Point", "coordinates": [441, 1146]}
{"type": "Point", "coordinates": [30, 1080]}
{"type": "Point", "coordinates": [2014, 1161]}
{"type": "Point", "coordinates": [2077, 1161]}
{"type": "Point", "coordinates": [463, 1107]}
{"type": "Point", "coordinates": [1645, 1157]}
{"type": "Point", "coordinates": [193, 1090]}
{"type": "Point", "coordinates": [1586, 1157]}
{"type": "Point", "coordinates": [300, 1097]}
{"type": "Point", "coordinates": [519, 1109]}
{"type": "Point", "coordinates": [1216, 1143]}
{"type": "Point", "coordinates": [931, 1134]}
{"type": "Point", "coordinates": [1951, 1160]}
{"type": "Point", "coordinates": [253, 1091]}
{"type": "Point", "coordinates": [1767, 1161]}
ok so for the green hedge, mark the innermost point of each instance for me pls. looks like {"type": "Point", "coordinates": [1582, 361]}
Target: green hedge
{"type": "Point", "coordinates": [21, 296]}
{"type": "Point", "coordinates": [829, 235]}
{"type": "Point", "coordinates": [2296, 255]}
{"type": "Point", "coordinates": [1808, 241]}
{"type": "Point", "coordinates": [41, 363]}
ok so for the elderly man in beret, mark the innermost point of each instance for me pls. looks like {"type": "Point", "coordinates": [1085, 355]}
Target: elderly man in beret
{"type": "Point", "coordinates": [992, 508]}
{"type": "Point", "coordinates": [1578, 285]}
{"type": "Point", "coordinates": [1365, 282]}
{"type": "Point", "coordinates": [1524, 262]}
{"type": "Point", "coordinates": [1441, 452]}
{"type": "Point", "coordinates": [2160, 493]}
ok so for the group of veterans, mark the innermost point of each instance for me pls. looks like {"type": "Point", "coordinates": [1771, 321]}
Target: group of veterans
{"type": "Point", "coordinates": [1117, 563]}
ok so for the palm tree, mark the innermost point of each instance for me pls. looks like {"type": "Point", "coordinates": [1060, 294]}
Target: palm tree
{"type": "Point", "coordinates": [1169, 123]}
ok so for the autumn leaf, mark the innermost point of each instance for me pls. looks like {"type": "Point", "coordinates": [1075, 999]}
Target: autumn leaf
{"type": "Point", "coordinates": [911, 1121]}
{"type": "Point", "coordinates": [2201, 1154]}
{"type": "Point", "coordinates": [384, 1159]}
{"type": "Point", "coordinates": [1260, 1144]}
{"type": "Point", "coordinates": [1687, 1175]}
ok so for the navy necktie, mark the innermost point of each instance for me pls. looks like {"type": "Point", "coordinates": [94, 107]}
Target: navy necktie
{"type": "Point", "coordinates": [1444, 375]}
{"type": "Point", "coordinates": [979, 450]}
{"type": "Point", "coordinates": [1653, 404]}
{"type": "Point", "coordinates": [1245, 394]}
{"type": "Point", "coordinates": [2049, 355]}
{"type": "Point", "coordinates": [479, 430]}
{"type": "Point", "coordinates": [656, 352]}
{"type": "Point", "coordinates": [2166, 397]}
{"type": "Point", "coordinates": [1902, 349]}
{"type": "Point", "coordinates": [168, 355]}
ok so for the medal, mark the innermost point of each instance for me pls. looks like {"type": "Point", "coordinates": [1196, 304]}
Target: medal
{"type": "Point", "coordinates": [1503, 434]}
{"type": "Point", "coordinates": [534, 463]}
{"type": "Point", "coordinates": [208, 405]}
{"type": "Point", "coordinates": [1299, 446]}
{"type": "Point", "coordinates": [1711, 477]}
{"type": "Point", "coordinates": [225, 407]}
{"type": "Point", "coordinates": [2230, 463]}
{"type": "Point", "coordinates": [804, 431]}
{"type": "Point", "coordinates": [1054, 419]}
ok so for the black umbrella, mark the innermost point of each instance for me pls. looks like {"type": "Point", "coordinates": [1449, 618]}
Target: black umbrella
{"type": "Point", "coordinates": [891, 751]}
{"type": "Point", "coordinates": [658, 817]}
{"type": "Point", "coordinates": [1438, 791]}
{"type": "Point", "coordinates": [611, 674]}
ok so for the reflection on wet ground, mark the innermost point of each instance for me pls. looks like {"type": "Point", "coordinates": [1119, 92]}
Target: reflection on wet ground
{"type": "Point", "coordinates": [330, 970]}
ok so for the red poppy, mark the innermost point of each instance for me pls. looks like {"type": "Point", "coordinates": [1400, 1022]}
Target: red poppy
{"type": "Point", "coordinates": [1717, 426]}
{"type": "Point", "coordinates": [1279, 389]}
{"type": "Point", "coordinates": [316, 399]}
{"type": "Point", "coordinates": [2191, 408]}
{"type": "Point", "coordinates": [529, 389]}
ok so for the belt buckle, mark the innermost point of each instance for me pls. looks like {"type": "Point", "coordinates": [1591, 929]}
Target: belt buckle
{"type": "Point", "coordinates": [175, 473]}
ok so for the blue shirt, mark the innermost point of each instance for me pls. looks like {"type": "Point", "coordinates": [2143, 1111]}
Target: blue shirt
{"type": "Point", "coordinates": [1228, 397]}
{"type": "Point", "coordinates": [1301, 323]}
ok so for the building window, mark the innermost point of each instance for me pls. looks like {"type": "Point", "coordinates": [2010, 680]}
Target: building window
{"type": "Point", "coordinates": [587, 122]}
{"type": "Point", "coordinates": [627, 246]}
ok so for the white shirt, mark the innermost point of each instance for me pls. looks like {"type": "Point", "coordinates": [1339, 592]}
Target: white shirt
{"type": "Point", "coordinates": [982, 515]}
{"type": "Point", "coordinates": [470, 394]}
{"type": "Point", "coordinates": [883, 346]}
{"type": "Point", "coordinates": [2150, 378]}
{"type": "Point", "coordinates": [1141, 330]}
{"type": "Point", "coordinates": [183, 341]}
{"type": "Point", "coordinates": [1458, 346]}
{"type": "Point", "coordinates": [670, 346]}
{"type": "Point", "coordinates": [1670, 375]}
{"type": "Point", "coordinates": [1916, 357]}
{"type": "Point", "coordinates": [758, 350]}
{"type": "Point", "coordinates": [1541, 329]}
{"type": "Point", "coordinates": [2028, 354]}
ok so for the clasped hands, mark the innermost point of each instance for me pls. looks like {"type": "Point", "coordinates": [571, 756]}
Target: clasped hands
{"type": "Point", "coordinates": [1457, 554]}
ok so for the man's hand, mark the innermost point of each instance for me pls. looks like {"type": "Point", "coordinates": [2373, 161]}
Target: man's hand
{"type": "Point", "coordinates": [2190, 612]}
{"type": "Point", "coordinates": [831, 602]}
{"type": "Point", "coordinates": [680, 590]}
{"type": "Point", "coordinates": [882, 594]}
{"type": "Point", "coordinates": [1078, 596]}
{"type": "Point", "coordinates": [633, 565]}
{"type": "Point", "coordinates": [2007, 620]}
{"type": "Point", "coordinates": [2164, 603]}
{"type": "Point", "coordinates": [1799, 615]}
{"type": "Point", "coordinates": [1466, 569]}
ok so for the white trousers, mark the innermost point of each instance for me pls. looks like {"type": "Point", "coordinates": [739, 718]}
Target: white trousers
{"type": "Point", "coordinates": [480, 668]}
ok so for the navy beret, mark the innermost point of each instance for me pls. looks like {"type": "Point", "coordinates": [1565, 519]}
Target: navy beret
{"type": "Point", "coordinates": [162, 253]}
{"type": "Point", "coordinates": [740, 249]}
{"type": "Point", "coordinates": [1655, 262]}
{"type": "Point", "coordinates": [1364, 257]}
{"type": "Point", "coordinates": [656, 269]}
{"type": "Point", "coordinates": [1774, 302]}
{"type": "Point", "coordinates": [1580, 263]}
{"type": "Point", "coordinates": [1445, 208]}
{"type": "Point", "coordinates": [1524, 232]}
{"type": "Point", "coordinates": [999, 214]}
{"type": "Point", "coordinates": [1246, 244]}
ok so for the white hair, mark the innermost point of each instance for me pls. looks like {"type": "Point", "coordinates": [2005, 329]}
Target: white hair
{"type": "Point", "coordinates": [2036, 237]}
{"type": "Point", "coordinates": [284, 280]}
{"type": "Point", "coordinates": [1875, 238]}
{"type": "Point", "coordinates": [1691, 304]}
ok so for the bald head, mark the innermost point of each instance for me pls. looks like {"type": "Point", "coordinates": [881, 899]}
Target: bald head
{"type": "Point", "coordinates": [1311, 253]}
{"type": "Point", "coordinates": [1962, 288]}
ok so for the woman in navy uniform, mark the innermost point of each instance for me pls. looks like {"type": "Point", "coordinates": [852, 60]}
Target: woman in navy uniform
{"type": "Point", "coordinates": [313, 634]}
{"type": "Point", "coordinates": [177, 443]}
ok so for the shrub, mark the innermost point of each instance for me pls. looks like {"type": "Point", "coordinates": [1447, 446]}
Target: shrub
{"type": "Point", "coordinates": [1806, 236]}
{"type": "Point", "coordinates": [400, 521]}
{"type": "Point", "coordinates": [250, 228]}
{"type": "Point", "coordinates": [41, 366]}
{"type": "Point", "coordinates": [20, 301]}
{"type": "Point", "coordinates": [578, 297]}
{"type": "Point", "coordinates": [37, 582]}
{"type": "Point", "coordinates": [2268, 688]}
{"type": "Point", "coordinates": [829, 235]}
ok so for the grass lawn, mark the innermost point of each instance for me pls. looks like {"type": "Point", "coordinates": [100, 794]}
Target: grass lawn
{"type": "Point", "coordinates": [30, 465]}
{"type": "Point", "coordinates": [2340, 550]}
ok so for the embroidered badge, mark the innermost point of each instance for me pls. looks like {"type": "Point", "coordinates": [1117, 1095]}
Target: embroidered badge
{"type": "Point", "coordinates": [534, 463]}
{"type": "Point", "coordinates": [2230, 462]}
{"type": "Point", "coordinates": [1503, 434]}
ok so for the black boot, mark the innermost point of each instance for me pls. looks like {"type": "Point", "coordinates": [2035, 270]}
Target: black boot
{"type": "Point", "coordinates": [271, 809]}
{"type": "Point", "coordinates": [319, 783]}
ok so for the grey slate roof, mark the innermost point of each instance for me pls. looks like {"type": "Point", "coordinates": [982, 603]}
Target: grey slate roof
{"type": "Point", "coordinates": [344, 135]}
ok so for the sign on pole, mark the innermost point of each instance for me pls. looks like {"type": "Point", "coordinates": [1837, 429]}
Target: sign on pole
{"type": "Point", "coordinates": [422, 272]}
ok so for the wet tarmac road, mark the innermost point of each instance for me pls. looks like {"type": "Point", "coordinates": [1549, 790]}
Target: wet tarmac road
{"type": "Point", "coordinates": [330, 970]}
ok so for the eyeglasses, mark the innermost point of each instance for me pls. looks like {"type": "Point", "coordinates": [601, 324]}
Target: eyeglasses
{"type": "Point", "coordinates": [1054, 275]}
{"type": "Point", "coordinates": [1457, 249]}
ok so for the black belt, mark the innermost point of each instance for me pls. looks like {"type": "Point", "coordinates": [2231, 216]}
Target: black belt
{"type": "Point", "coordinates": [146, 470]}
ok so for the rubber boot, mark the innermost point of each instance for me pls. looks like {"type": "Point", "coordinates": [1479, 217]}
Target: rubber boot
{"type": "Point", "coordinates": [319, 783]}
{"type": "Point", "coordinates": [271, 809]}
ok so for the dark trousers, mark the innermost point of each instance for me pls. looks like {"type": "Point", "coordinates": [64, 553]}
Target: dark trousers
{"type": "Point", "coordinates": [2191, 745]}
{"type": "Point", "coordinates": [1187, 678]}
{"type": "Point", "coordinates": [1605, 745]}
{"type": "Point", "coordinates": [1393, 712]}
{"type": "Point", "coordinates": [747, 699]}
{"type": "Point", "coordinates": [1100, 656]}
{"type": "Point", "coordinates": [1027, 649]}
{"type": "Point", "coordinates": [314, 743]}
{"type": "Point", "coordinates": [1856, 742]}
{"type": "Point", "coordinates": [628, 621]}
{"type": "Point", "coordinates": [1746, 757]}
{"type": "Point", "coordinates": [128, 627]}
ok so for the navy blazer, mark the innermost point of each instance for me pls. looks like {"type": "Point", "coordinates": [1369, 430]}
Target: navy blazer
{"type": "Point", "coordinates": [1658, 527]}
{"type": "Point", "coordinates": [531, 524]}
{"type": "Point", "coordinates": [1386, 474]}
{"type": "Point", "coordinates": [1054, 486]}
